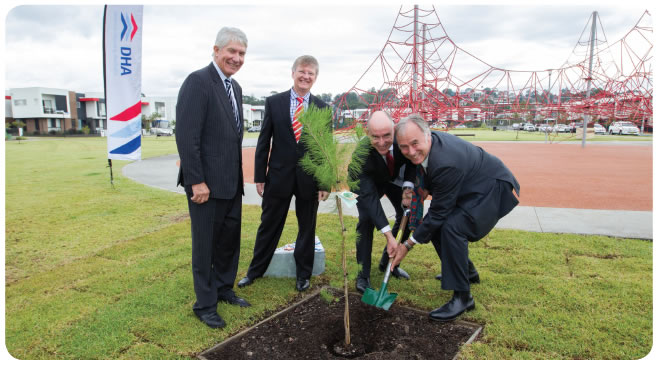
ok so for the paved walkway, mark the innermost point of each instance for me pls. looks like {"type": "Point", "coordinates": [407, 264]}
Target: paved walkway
{"type": "Point", "coordinates": [161, 172]}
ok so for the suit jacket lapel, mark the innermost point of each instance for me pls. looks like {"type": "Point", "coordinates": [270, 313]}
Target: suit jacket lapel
{"type": "Point", "coordinates": [381, 167]}
{"type": "Point", "coordinates": [220, 90]}
{"type": "Point", "coordinates": [432, 160]}
{"type": "Point", "coordinates": [238, 97]}
{"type": "Point", "coordinates": [286, 110]}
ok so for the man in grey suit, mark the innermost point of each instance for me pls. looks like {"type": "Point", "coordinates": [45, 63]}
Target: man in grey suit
{"type": "Point", "coordinates": [209, 139]}
{"type": "Point", "coordinates": [471, 190]}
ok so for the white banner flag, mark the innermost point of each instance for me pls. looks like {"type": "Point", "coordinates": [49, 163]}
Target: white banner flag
{"type": "Point", "coordinates": [122, 58]}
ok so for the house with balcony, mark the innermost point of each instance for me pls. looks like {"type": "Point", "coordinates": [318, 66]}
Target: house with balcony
{"type": "Point", "coordinates": [253, 115]}
{"type": "Point", "coordinates": [43, 110]}
{"type": "Point", "coordinates": [57, 111]}
{"type": "Point", "coordinates": [164, 106]}
{"type": "Point", "coordinates": [91, 111]}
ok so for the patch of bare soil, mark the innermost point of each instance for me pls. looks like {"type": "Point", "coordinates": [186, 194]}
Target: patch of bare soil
{"type": "Point", "coordinates": [314, 330]}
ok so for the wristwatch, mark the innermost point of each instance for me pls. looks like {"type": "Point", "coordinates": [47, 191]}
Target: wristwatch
{"type": "Point", "coordinates": [408, 245]}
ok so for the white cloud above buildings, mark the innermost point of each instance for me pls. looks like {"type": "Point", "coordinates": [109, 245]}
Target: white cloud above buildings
{"type": "Point", "coordinates": [60, 46]}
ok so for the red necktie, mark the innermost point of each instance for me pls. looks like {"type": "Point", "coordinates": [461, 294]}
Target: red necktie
{"type": "Point", "coordinates": [296, 126]}
{"type": "Point", "coordinates": [389, 162]}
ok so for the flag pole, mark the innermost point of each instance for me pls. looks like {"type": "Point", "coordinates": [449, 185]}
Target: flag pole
{"type": "Point", "coordinates": [109, 161]}
{"type": "Point", "coordinates": [109, 164]}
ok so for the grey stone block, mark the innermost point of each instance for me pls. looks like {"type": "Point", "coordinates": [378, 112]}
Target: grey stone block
{"type": "Point", "coordinates": [283, 261]}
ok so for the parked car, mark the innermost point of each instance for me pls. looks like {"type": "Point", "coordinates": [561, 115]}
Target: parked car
{"type": "Point", "coordinates": [545, 128]}
{"type": "Point", "coordinates": [161, 127]}
{"type": "Point", "coordinates": [460, 126]}
{"type": "Point", "coordinates": [516, 126]}
{"type": "Point", "coordinates": [599, 129]}
{"type": "Point", "coordinates": [255, 128]}
{"type": "Point", "coordinates": [529, 127]}
{"type": "Point", "coordinates": [561, 128]}
{"type": "Point", "coordinates": [623, 128]}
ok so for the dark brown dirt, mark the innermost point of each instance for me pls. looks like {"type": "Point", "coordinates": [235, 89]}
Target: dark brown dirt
{"type": "Point", "coordinates": [314, 330]}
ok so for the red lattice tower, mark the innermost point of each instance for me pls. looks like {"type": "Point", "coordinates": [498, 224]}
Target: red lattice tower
{"type": "Point", "coordinates": [421, 70]}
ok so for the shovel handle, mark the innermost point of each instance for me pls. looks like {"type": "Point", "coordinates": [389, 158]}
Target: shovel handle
{"type": "Point", "coordinates": [403, 225]}
{"type": "Point", "coordinates": [388, 272]}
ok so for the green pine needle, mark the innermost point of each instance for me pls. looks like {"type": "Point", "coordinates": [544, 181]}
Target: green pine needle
{"type": "Point", "coordinates": [327, 159]}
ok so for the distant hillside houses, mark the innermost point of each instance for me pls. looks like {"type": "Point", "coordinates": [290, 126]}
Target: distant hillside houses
{"type": "Point", "coordinates": [59, 111]}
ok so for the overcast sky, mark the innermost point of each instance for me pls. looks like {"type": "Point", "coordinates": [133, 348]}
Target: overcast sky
{"type": "Point", "coordinates": [60, 46]}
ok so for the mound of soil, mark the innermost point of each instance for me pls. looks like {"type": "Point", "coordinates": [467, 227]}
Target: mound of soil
{"type": "Point", "coordinates": [313, 329]}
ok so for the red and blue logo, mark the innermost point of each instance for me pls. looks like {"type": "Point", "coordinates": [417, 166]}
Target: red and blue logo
{"type": "Point", "coordinates": [128, 26]}
{"type": "Point", "coordinates": [127, 34]}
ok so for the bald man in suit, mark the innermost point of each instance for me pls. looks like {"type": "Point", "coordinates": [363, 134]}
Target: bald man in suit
{"type": "Point", "coordinates": [377, 178]}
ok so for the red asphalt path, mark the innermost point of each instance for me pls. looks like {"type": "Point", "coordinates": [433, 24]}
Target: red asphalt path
{"type": "Point", "coordinates": [611, 177]}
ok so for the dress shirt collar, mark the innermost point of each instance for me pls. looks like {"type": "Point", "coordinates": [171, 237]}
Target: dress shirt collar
{"type": "Point", "coordinates": [293, 95]}
{"type": "Point", "coordinates": [426, 161]}
{"type": "Point", "coordinates": [221, 74]}
{"type": "Point", "coordinates": [390, 149]}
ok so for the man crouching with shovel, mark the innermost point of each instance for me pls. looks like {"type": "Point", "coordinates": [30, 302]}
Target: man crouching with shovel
{"type": "Point", "coordinates": [471, 190]}
{"type": "Point", "coordinates": [378, 176]}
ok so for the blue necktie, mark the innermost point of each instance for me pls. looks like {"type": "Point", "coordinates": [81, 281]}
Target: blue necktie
{"type": "Point", "coordinates": [230, 98]}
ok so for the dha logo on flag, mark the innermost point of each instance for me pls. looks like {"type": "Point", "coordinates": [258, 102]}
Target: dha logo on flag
{"type": "Point", "coordinates": [126, 27]}
{"type": "Point", "coordinates": [122, 42]}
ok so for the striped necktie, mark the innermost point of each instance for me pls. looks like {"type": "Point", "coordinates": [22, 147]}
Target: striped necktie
{"type": "Point", "coordinates": [296, 125]}
{"type": "Point", "coordinates": [229, 91]}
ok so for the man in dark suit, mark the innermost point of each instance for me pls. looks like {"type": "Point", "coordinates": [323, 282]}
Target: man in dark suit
{"type": "Point", "coordinates": [471, 190]}
{"type": "Point", "coordinates": [209, 140]}
{"type": "Point", "coordinates": [278, 176]}
{"type": "Point", "coordinates": [377, 178]}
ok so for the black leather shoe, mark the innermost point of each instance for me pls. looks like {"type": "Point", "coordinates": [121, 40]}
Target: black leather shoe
{"type": "Point", "coordinates": [397, 272]}
{"type": "Point", "coordinates": [475, 279]}
{"type": "Point", "coordinates": [461, 302]}
{"type": "Point", "coordinates": [230, 298]}
{"type": "Point", "coordinates": [362, 284]}
{"type": "Point", "coordinates": [245, 281]}
{"type": "Point", "coordinates": [212, 320]}
{"type": "Point", "coordinates": [302, 284]}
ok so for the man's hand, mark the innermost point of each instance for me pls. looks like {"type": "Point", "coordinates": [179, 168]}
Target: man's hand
{"type": "Point", "coordinates": [407, 194]}
{"type": "Point", "coordinates": [200, 193]}
{"type": "Point", "coordinates": [323, 195]}
{"type": "Point", "coordinates": [423, 194]}
{"type": "Point", "coordinates": [400, 253]}
{"type": "Point", "coordinates": [260, 188]}
{"type": "Point", "coordinates": [391, 244]}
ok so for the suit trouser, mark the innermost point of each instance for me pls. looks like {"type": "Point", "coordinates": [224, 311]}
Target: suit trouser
{"type": "Point", "coordinates": [216, 232]}
{"type": "Point", "coordinates": [273, 219]}
{"type": "Point", "coordinates": [451, 240]}
{"type": "Point", "coordinates": [365, 228]}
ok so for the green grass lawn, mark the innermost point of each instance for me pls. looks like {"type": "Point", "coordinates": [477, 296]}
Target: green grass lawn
{"type": "Point", "coordinates": [96, 272]}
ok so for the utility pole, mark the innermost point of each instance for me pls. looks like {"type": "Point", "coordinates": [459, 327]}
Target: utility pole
{"type": "Point", "coordinates": [592, 39]}
{"type": "Point", "coordinates": [550, 72]}
{"type": "Point", "coordinates": [414, 88]}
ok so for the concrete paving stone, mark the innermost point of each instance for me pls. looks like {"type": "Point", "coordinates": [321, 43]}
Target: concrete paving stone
{"type": "Point", "coordinates": [283, 262]}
